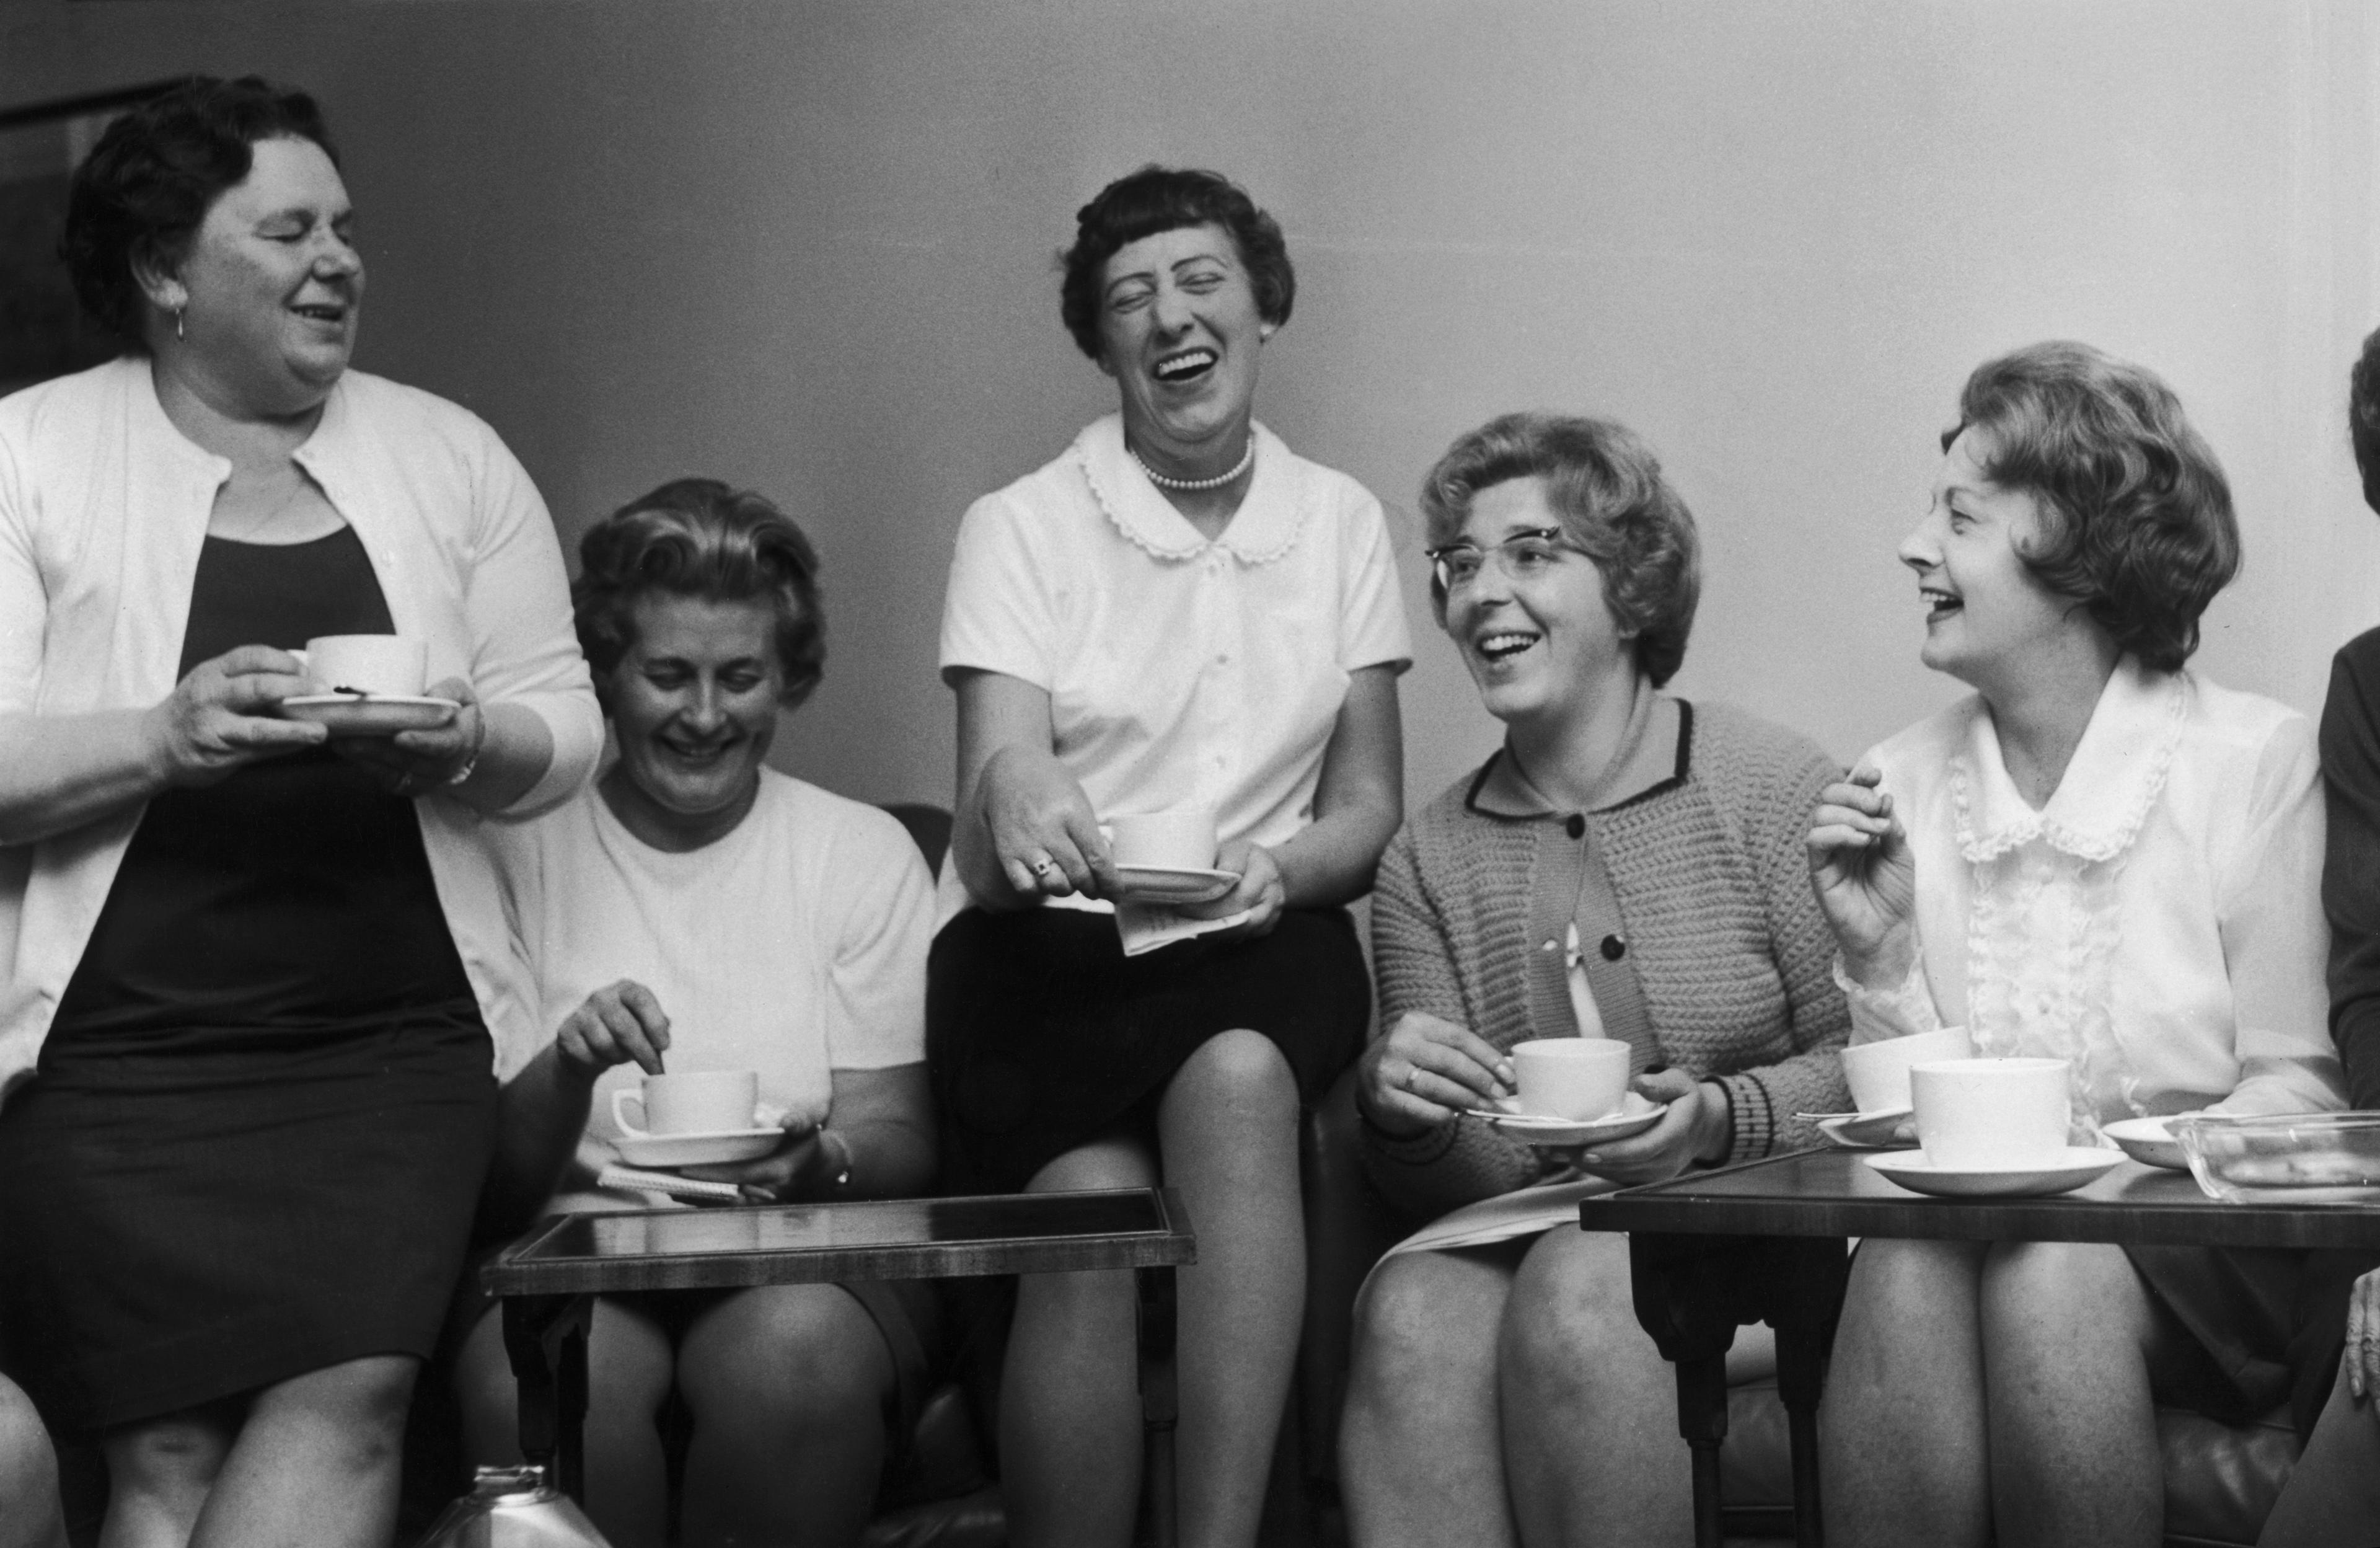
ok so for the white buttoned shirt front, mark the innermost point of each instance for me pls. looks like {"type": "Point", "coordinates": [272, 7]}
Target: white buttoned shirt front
{"type": "Point", "coordinates": [1182, 672]}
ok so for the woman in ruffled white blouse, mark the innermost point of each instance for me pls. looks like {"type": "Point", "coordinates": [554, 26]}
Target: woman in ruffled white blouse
{"type": "Point", "coordinates": [2098, 857]}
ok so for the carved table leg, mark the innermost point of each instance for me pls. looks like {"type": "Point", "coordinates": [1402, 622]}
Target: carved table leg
{"type": "Point", "coordinates": [545, 1337]}
{"type": "Point", "coordinates": [1806, 1300]}
{"type": "Point", "coordinates": [1159, 1396]}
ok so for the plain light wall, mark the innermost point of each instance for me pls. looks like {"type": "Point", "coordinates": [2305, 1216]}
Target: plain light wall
{"type": "Point", "coordinates": [806, 245]}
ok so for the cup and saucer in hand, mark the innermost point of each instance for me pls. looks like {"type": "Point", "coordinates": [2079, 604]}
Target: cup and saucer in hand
{"type": "Point", "coordinates": [1877, 1074]}
{"type": "Point", "coordinates": [1168, 857]}
{"type": "Point", "coordinates": [375, 686]}
{"type": "Point", "coordinates": [699, 1118]}
{"type": "Point", "coordinates": [1572, 1091]}
{"type": "Point", "coordinates": [1992, 1128]}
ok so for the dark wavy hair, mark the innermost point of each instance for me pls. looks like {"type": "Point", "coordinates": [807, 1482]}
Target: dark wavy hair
{"type": "Point", "coordinates": [1160, 199]}
{"type": "Point", "coordinates": [2136, 515]}
{"type": "Point", "coordinates": [2363, 417]}
{"type": "Point", "coordinates": [156, 171]}
{"type": "Point", "coordinates": [698, 538]}
{"type": "Point", "coordinates": [1606, 486]}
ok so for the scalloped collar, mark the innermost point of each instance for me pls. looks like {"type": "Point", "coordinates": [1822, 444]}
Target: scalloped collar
{"type": "Point", "coordinates": [2118, 771]}
{"type": "Point", "coordinates": [1266, 527]}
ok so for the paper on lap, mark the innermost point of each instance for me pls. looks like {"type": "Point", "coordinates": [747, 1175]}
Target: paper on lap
{"type": "Point", "coordinates": [1526, 1212]}
{"type": "Point", "coordinates": [1143, 927]}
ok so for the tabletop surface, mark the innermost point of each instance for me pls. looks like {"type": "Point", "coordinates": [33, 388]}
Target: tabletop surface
{"type": "Point", "coordinates": [891, 1239]}
{"type": "Point", "coordinates": [1830, 1193]}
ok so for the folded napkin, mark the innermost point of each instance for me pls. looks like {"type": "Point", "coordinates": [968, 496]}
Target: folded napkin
{"type": "Point", "coordinates": [1143, 927]}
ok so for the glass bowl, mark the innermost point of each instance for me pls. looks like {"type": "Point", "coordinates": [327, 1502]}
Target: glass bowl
{"type": "Point", "coordinates": [2292, 1158]}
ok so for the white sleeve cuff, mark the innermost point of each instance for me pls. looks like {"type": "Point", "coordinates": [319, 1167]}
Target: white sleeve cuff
{"type": "Point", "coordinates": [1903, 1010]}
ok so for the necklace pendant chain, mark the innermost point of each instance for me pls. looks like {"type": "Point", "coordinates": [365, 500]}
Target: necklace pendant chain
{"type": "Point", "coordinates": [1192, 486]}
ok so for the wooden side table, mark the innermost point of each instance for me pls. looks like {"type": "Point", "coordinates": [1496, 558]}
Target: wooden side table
{"type": "Point", "coordinates": [550, 1278]}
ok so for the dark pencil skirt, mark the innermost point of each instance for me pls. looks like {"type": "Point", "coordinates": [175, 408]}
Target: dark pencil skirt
{"type": "Point", "coordinates": [2261, 1323]}
{"type": "Point", "coordinates": [180, 1227]}
{"type": "Point", "coordinates": [1041, 1035]}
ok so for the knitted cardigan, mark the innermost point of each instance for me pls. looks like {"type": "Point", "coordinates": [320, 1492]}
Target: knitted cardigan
{"type": "Point", "coordinates": [1721, 925]}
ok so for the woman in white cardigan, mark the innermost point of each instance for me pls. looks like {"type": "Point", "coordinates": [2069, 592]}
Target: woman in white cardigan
{"type": "Point", "coordinates": [2098, 857]}
{"type": "Point", "coordinates": [249, 975]}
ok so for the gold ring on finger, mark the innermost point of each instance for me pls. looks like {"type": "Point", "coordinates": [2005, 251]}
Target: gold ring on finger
{"type": "Point", "coordinates": [1413, 1073]}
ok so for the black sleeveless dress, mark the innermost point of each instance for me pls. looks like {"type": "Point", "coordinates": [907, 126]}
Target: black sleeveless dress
{"type": "Point", "coordinates": [262, 1117]}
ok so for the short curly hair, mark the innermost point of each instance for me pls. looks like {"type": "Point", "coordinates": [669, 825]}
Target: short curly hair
{"type": "Point", "coordinates": [698, 538]}
{"type": "Point", "coordinates": [2363, 417]}
{"type": "Point", "coordinates": [1605, 485]}
{"type": "Point", "coordinates": [147, 185]}
{"type": "Point", "coordinates": [1158, 199]}
{"type": "Point", "coordinates": [2137, 522]}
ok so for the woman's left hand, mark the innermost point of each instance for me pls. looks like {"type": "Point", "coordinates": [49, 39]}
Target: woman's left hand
{"type": "Point", "coordinates": [419, 762]}
{"type": "Point", "coordinates": [2363, 1356]}
{"type": "Point", "coordinates": [790, 1171]}
{"type": "Point", "coordinates": [1696, 1127]}
{"type": "Point", "coordinates": [1260, 889]}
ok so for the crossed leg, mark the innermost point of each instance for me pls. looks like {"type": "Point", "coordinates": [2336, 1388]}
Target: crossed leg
{"type": "Point", "coordinates": [1069, 1411]}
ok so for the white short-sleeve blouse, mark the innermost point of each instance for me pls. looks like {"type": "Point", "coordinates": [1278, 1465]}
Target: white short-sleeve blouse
{"type": "Point", "coordinates": [1182, 672]}
{"type": "Point", "coordinates": [2159, 921]}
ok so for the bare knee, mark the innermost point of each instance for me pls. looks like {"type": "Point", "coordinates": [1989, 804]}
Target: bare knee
{"type": "Point", "coordinates": [175, 1455]}
{"type": "Point", "coordinates": [1404, 1321]}
{"type": "Point", "coordinates": [2054, 1290]}
{"type": "Point", "coordinates": [809, 1355]}
{"type": "Point", "coordinates": [1243, 1073]}
{"type": "Point", "coordinates": [29, 1471]}
{"type": "Point", "coordinates": [1574, 1307]}
{"type": "Point", "coordinates": [358, 1405]}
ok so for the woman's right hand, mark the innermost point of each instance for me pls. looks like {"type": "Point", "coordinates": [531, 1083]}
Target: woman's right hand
{"type": "Point", "coordinates": [617, 1023]}
{"type": "Point", "coordinates": [1424, 1071]}
{"type": "Point", "coordinates": [1865, 878]}
{"type": "Point", "coordinates": [1043, 832]}
{"type": "Point", "coordinates": [223, 714]}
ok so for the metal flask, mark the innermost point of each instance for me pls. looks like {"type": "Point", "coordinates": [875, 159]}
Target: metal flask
{"type": "Point", "coordinates": [513, 1507]}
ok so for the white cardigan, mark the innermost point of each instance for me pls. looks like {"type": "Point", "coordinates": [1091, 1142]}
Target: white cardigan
{"type": "Point", "coordinates": [104, 508]}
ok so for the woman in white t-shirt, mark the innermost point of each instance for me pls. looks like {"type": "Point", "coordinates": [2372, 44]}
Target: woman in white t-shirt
{"type": "Point", "coordinates": [697, 904]}
{"type": "Point", "coordinates": [1177, 613]}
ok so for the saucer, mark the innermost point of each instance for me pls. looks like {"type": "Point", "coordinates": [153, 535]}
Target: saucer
{"type": "Point", "coordinates": [2075, 1167]}
{"type": "Point", "coordinates": [699, 1149]}
{"type": "Point", "coordinates": [1636, 1115]}
{"type": "Point", "coordinates": [2148, 1142]}
{"type": "Point", "coordinates": [374, 714]}
{"type": "Point", "coordinates": [1165, 883]}
{"type": "Point", "coordinates": [1887, 1128]}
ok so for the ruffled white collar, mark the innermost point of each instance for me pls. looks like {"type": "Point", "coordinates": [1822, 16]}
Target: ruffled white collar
{"type": "Point", "coordinates": [2115, 777]}
{"type": "Point", "coordinates": [1266, 526]}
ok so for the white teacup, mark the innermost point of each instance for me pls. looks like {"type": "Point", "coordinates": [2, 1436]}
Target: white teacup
{"type": "Point", "coordinates": [1179, 840]}
{"type": "Point", "coordinates": [392, 665]}
{"type": "Point", "coordinates": [1574, 1077]}
{"type": "Point", "coordinates": [697, 1102]}
{"type": "Point", "coordinates": [1987, 1115]}
{"type": "Point", "coordinates": [1878, 1072]}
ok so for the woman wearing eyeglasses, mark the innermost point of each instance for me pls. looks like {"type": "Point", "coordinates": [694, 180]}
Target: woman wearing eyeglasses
{"type": "Point", "coordinates": [1627, 865]}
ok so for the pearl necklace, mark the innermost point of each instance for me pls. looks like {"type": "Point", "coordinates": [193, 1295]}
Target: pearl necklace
{"type": "Point", "coordinates": [1195, 486]}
